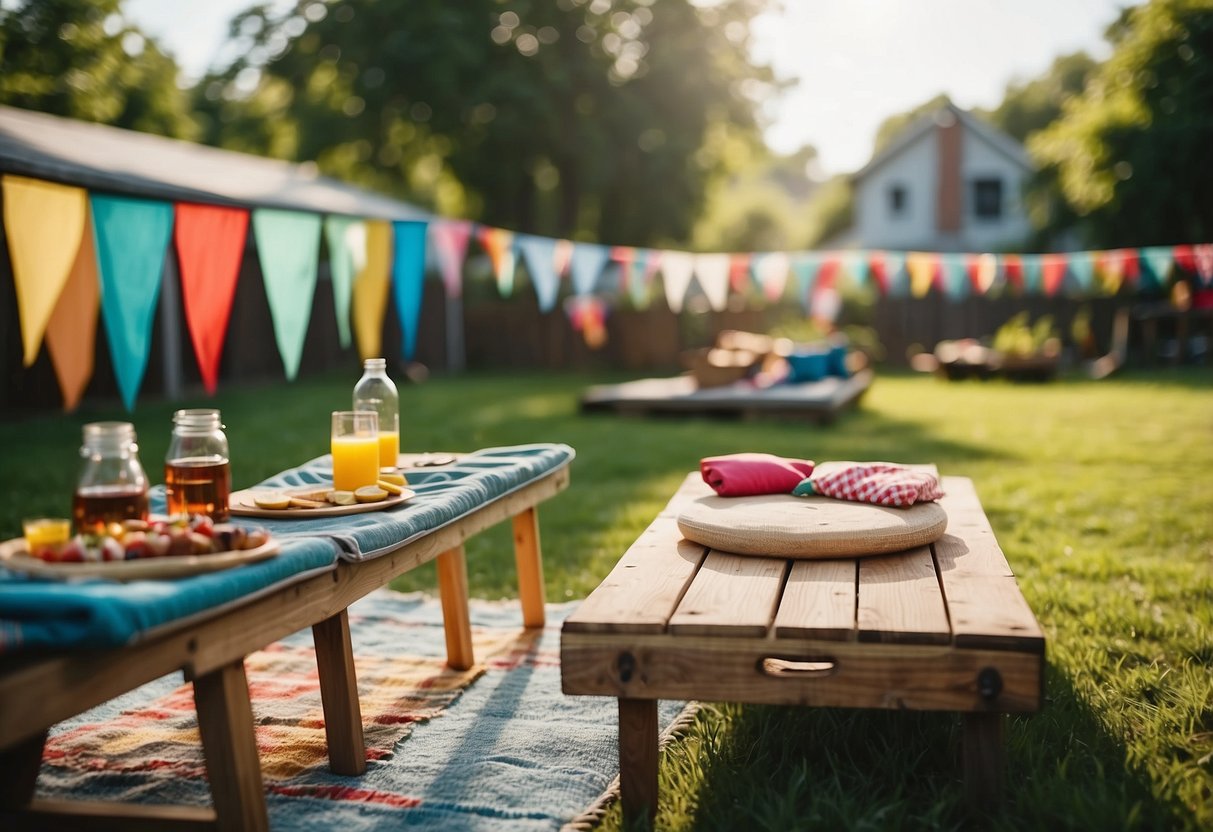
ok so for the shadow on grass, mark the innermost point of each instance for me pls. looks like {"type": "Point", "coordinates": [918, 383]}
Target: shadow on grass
{"type": "Point", "coordinates": [776, 768]}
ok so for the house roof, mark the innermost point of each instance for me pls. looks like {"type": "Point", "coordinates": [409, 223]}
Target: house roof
{"type": "Point", "coordinates": [984, 131]}
{"type": "Point", "coordinates": [103, 158]}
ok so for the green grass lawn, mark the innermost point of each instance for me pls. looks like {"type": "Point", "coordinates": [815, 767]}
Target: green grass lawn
{"type": "Point", "coordinates": [1099, 493]}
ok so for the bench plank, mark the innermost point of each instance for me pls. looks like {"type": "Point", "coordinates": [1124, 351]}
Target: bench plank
{"type": "Point", "coordinates": [643, 590]}
{"type": "Point", "coordinates": [977, 552]}
{"type": "Point", "coordinates": [900, 601]}
{"type": "Point", "coordinates": [819, 601]}
{"type": "Point", "coordinates": [731, 595]}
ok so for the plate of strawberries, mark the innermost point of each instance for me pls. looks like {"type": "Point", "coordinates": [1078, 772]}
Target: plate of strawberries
{"type": "Point", "coordinates": [172, 547]}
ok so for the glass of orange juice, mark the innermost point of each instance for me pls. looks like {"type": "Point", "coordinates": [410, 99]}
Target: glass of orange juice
{"type": "Point", "coordinates": [355, 447]}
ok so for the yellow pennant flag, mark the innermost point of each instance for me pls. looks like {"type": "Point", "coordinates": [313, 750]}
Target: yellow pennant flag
{"type": "Point", "coordinates": [72, 331]}
{"type": "Point", "coordinates": [44, 223]}
{"type": "Point", "coordinates": [371, 289]}
{"type": "Point", "coordinates": [921, 266]}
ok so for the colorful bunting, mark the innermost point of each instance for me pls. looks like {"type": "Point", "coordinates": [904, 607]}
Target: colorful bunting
{"type": "Point", "coordinates": [408, 278]}
{"type": "Point", "coordinates": [922, 267]}
{"type": "Point", "coordinates": [210, 245]}
{"type": "Point", "coordinates": [898, 279]}
{"type": "Point", "coordinates": [340, 234]}
{"type": "Point", "coordinates": [449, 239]}
{"type": "Point", "coordinates": [1012, 271]}
{"type": "Point", "coordinates": [677, 269]}
{"type": "Point", "coordinates": [539, 254]}
{"type": "Point", "coordinates": [1053, 272]}
{"type": "Point", "coordinates": [1203, 257]}
{"type": "Point", "coordinates": [44, 223]}
{"type": "Point", "coordinates": [131, 238]}
{"type": "Point", "coordinates": [587, 315]}
{"type": "Point", "coordinates": [805, 266]}
{"type": "Point", "coordinates": [1082, 267]}
{"type": "Point", "coordinates": [712, 272]}
{"type": "Point", "coordinates": [1033, 273]}
{"type": "Point", "coordinates": [955, 275]}
{"type": "Point", "coordinates": [288, 244]}
{"type": "Point", "coordinates": [71, 334]}
{"type": "Point", "coordinates": [371, 286]}
{"type": "Point", "coordinates": [1157, 260]}
{"type": "Point", "coordinates": [499, 245]}
{"type": "Point", "coordinates": [986, 273]}
{"type": "Point", "coordinates": [739, 272]}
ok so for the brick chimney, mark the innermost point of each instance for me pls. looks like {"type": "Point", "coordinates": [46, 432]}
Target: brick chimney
{"type": "Point", "coordinates": [948, 200]}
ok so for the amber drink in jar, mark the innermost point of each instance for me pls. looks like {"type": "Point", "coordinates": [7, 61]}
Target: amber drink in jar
{"type": "Point", "coordinates": [197, 473]}
{"type": "Point", "coordinates": [112, 486]}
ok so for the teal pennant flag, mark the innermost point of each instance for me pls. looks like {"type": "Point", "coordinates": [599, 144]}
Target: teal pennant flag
{"type": "Point", "coordinates": [1082, 267]}
{"type": "Point", "coordinates": [587, 263]}
{"type": "Point", "coordinates": [539, 253]}
{"type": "Point", "coordinates": [341, 271]}
{"type": "Point", "coordinates": [288, 244]}
{"type": "Point", "coordinates": [896, 274]}
{"type": "Point", "coordinates": [1033, 274]}
{"type": "Point", "coordinates": [1158, 261]}
{"type": "Point", "coordinates": [132, 236]}
{"type": "Point", "coordinates": [805, 266]}
{"type": "Point", "coordinates": [408, 278]}
{"type": "Point", "coordinates": [956, 281]}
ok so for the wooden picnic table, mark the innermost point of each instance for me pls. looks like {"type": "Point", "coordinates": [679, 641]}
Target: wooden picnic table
{"type": "Point", "coordinates": [38, 692]}
{"type": "Point", "coordinates": [942, 627]}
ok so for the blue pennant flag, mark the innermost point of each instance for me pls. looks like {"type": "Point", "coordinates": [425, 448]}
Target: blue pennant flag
{"type": "Point", "coordinates": [408, 278]}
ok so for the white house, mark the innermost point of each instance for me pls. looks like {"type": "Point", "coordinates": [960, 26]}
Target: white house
{"type": "Point", "coordinates": [948, 182]}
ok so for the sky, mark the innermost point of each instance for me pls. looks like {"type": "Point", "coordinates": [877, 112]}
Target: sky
{"type": "Point", "coordinates": [856, 61]}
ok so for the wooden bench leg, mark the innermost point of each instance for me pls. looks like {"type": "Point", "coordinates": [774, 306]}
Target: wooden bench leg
{"type": "Point", "coordinates": [638, 760]}
{"type": "Point", "coordinates": [225, 720]}
{"type": "Point", "coordinates": [456, 621]}
{"type": "Point", "coordinates": [529, 561]}
{"type": "Point", "coordinates": [20, 765]}
{"type": "Point", "coordinates": [982, 753]}
{"type": "Point", "coordinates": [339, 695]}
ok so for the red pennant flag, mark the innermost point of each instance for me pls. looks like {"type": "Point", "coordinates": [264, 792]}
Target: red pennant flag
{"type": "Point", "coordinates": [827, 274]}
{"type": "Point", "coordinates": [876, 267]}
{"type": "Point", "coordinates": [1185, 257]}
{"type": "Point", "coordinates": [1012, 270]}
{"type": "Point", "coordinates": [739, 272]}
{"type": "Point", "coordinates": [1053, 272]}
{"type": "Point", "coordinates": [210, 245]}
{"type": "Point", "coordinates": [1202, 258]}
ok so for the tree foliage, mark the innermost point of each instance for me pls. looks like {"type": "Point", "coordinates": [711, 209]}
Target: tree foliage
{"type": "Point", "coordinates": [78, 58]}
{"type": "Point", "coordinates": [604, 119]}
{"type": "Point", "coordinates": [1131, 156]}
{"type": "Point", "coordinates": [1028, 106]}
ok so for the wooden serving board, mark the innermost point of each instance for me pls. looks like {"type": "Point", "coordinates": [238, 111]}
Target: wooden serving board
{"type": "Point", "coordinates": [15, 555]}
{"type": "Point", "coordinates": [780, 525]}
{"type": "Point", "coordinates": [242, 503]}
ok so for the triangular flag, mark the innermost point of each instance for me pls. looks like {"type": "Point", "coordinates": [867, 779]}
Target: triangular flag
{"type": "Point", "coordinates": [896, 274]}
{"type": "Point", "coordinates": [771, 271]}
{"type": "Point", "coordinates": [956, 283]}
{"type": "Point", "coordinates": [625, 256]}
{"type": "Point", "coordinates": [922, 267]}
{"type": "Point", "coordinates": [210, 245]}
{"type": "Point", "coordinates": [878, 270]}
{"type": "Point", "coordinates": [371, 287]}
{"type": "Point", "coordinates": [1202, 257]}
{"type": "Point", "coordinates": [1082, 267]}
{"type": "Point", "coordinates": [450, 241]}
{"type": "Point", "coordinates": [499, 245]}
{"type": "Point", "coordinates": [1012, 270]}
{"type": "Point", "coordinates": [648, 263]}
{"type": "Point", "coordinates": [677, 268]}
{"type": "Point", "coordinates": [712, 272]}
{"type": "Point", "coordinates": [1032, 273]}
{"type": "Point", "coordinates": [587, 314]}
{"type": "Point", "coordinates": [288, 244]}
{"type": "Point", "coordinates": [1111, 270]}
{"type": "Point", "coordinates": [71, 334]}
{"type": "Point", "coordinates": [132, 236]}
{"type": "Point", "coordinates": [408, 278]}
{"type": "Point", "coordinates": [44, 223]}
{"type": "Point", "coordinates": [1053, 272]}
{"type": "Point", "coordinates": [805, 265]}
{"type": "Point", "coordinates": [539, 254]}
{"type": "Point", "coordinates": [338, 234]}
{"type": "Point", "coordinates": [586, 264]}
{"type": "Point", "coordinates": [855, 264]}
{"type": "Point", "coordinates": [739, 272]}
{"type": "Point", "coordinates": [1158, 261]}
{"type": "Point", "coordinates": [985, 275]}
{"type": "Point", "coordinates": [562, 256]}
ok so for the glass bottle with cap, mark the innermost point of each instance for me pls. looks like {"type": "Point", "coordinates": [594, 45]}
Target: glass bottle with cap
{"type": "Point", "coordinates": [112, 486]}
{"type": "Point", "coordinates": [375, 391]}
{"type": "Point", "coordinates": [197, 472]}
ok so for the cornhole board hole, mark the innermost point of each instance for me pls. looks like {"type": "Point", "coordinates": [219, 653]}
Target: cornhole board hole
{"type": "Point", "coordinates": [780, 525]}
{"type": "Point", "coordinates": [820, 401]}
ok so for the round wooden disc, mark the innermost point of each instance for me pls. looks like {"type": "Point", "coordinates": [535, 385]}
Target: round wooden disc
{"type": "Point", "coordinates": [781, 525]}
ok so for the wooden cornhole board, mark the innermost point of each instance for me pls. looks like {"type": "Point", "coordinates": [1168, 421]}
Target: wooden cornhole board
{"type": "Point", "coordinates": [780, 525]}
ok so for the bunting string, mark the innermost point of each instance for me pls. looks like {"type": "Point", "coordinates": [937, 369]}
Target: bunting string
{"type": "Point", "coordinates": [74, 253]}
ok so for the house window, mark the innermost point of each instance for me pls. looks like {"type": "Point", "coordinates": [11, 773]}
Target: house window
{"type": "Point", "coordinates": [987, 199]}
{"type": "Point", "coordinates": [897, 200]}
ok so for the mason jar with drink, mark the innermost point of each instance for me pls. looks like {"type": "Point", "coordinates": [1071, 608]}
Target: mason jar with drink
{"type": "Point", "coordinates": [112, 485]}
{"type": "Point", "coordinates": [197, 471]}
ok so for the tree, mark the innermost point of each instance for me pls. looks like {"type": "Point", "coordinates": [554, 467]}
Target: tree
{"type": "Point", "coordinates": [1131, 155]}
{"type": "Point", "coordinates": [78, 58]}
{"type": "Point", "coordinates": [1028, 106]}
{"type": "Point", "coordinates": [583, 119]}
